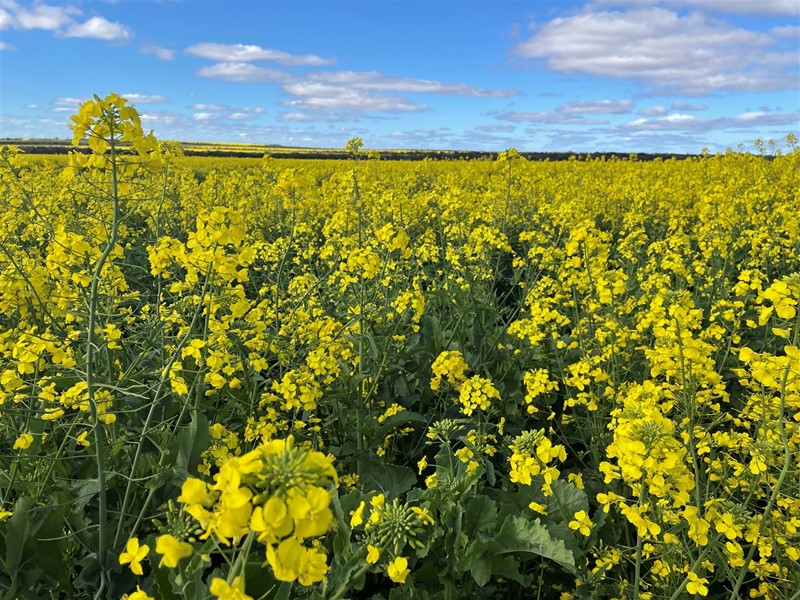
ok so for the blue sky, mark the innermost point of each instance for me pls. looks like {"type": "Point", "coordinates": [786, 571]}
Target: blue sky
{"type": "Point", "coordinates": [613, 75]}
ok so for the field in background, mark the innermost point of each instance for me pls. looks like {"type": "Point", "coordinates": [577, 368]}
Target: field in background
{"type": "Point", "coordinates": [222, 150]}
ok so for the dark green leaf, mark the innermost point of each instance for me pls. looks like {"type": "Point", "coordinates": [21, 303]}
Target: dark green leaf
{"type": "Point", "coordinates": [389, 479]}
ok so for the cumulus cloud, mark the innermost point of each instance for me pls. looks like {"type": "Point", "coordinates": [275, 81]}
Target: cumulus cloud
{"type": "Point", "coordinates": [317, 95]}
{"type": "Point", "coordinates": [688, 54]}
{"type": "Point", "coordinates": [44, 16]}
{"type": "Point", "coordinates": [240, 72]}
{"type": "Point", "coordinates": [159, 52]}
{"type": "Point", "coordinates": [99, 28]}
{"type": "Point", "coordinates": [242, 53]}
{"type": "Point", "coordinates": [61, 20]}
{"type": "Point", "coordinates": [375, 80]}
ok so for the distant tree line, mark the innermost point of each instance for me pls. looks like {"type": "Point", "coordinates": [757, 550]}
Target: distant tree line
{"type": "Point", "coordinates": [64, 148]}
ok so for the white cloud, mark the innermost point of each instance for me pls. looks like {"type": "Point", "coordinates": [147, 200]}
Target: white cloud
{"type": "Point", "coordinates": [159, 52]}
{"type": "Point", "coordinates": [753, 120]}
{"type": "Point", "coordinates": [239, 53]}
{"type": "Point", "coordinates": [318, 95]}
{"type": "Point", "coordinates": [68, 104]}
{"type": "Point", "coordinates": [60, 20]}
{"type": "Point", "coordinates": [745, 7]}
{"type": "Point", "coordinates": [296, 117]}
{"type": "Point", "coordinates": [239, 72]}
{"type": "Point", "coordinates": [6, 20]}
{"type": "Point", "coordinates": [547, 117]}
{"type": "Point", "coordinates": [4, 46]}
{"type": "Point", "coordinates": [572, 113]}
{"type": "Point", "coordinates": [209, 112]}
{"type": "Point", "coordinates": [207, 107]}
{"type": "Point", "coordinates": [687, 54]}
{"type": "Point", "coordinates": [159, 118]}
{"type": "Point", "coordinates": [99, 28]}
{"type": "Point", "coordinates": [322, 96]}
{"type": "Point", "coordinates": [217, 116]}
{"type": "Point", "coordinates": [597, 107]}
{"type": "Point", "coordinates": [145, 98]}
{"type": "Point", "coordinates": [44, 16]}
{"type": "Point", "coordinates": [375, 80]}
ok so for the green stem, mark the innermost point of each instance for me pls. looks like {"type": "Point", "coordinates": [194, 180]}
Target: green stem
{"type": "Point", "coordinates": [339, 594]}
{"type": "Point", "coordinates": [637, 575]}
{"type": "Point", "coordinates": [91, 346]}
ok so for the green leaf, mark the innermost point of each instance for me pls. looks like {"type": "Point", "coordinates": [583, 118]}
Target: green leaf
{"type": "Point", "coordinates": [85, 490]}
{"type": "Point", "coordinates": [481, 515]}
{"type": "Point", "coordinates": [284, 591]}
{"type": "Point", "coordinates": [481, 569]}
{"type": "Point", "coordinates": [518, 534]}
{"type": "Point", "coordinates": [17, 532]}
{"type": "Point", "coordinates": [390, 479]}
{"type": "Point", "coordinates": [567, 499]}
{"type": "Point", "coordinates": [190, 443]}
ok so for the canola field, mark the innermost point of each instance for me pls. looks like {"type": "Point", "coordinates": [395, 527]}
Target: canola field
{"type": "Point", "coordinates": [261, 379]}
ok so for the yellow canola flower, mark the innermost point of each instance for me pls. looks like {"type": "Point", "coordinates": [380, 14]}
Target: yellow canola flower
{"type": "Point", "coordinates": [220, 588]}
{"type": "Point", "coordinates": [310, 510]}
{"type": "Point", "coordinates": [581, 523]}
{"type": "Point", "coordinates": [195, 491]}
{"type": "Point", "coordinates": [398, 569]}
{"type": "Point", "coordinates": [172, 550]}
{"type": "Point", "coordinates": [697, 584]}
{"type": "Point", "coordinates": [272, 522]}
{"type": "Point", "coordinates": [538, 507]}
{"type": "Point", "coordinates": [23, 442]}
{"type": "Point", "coordinates": [450, 366]}
{"type": "Point", "coordinates": [139, 594]}
{"type": "Point", "coordinates": [292, 561]}
{"type": "Point", "coordinates": [134, 554]}
{"type": "Point", "coordinates": [357, 516]}
{"type": "Point", "coordinates": [373, 554]}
